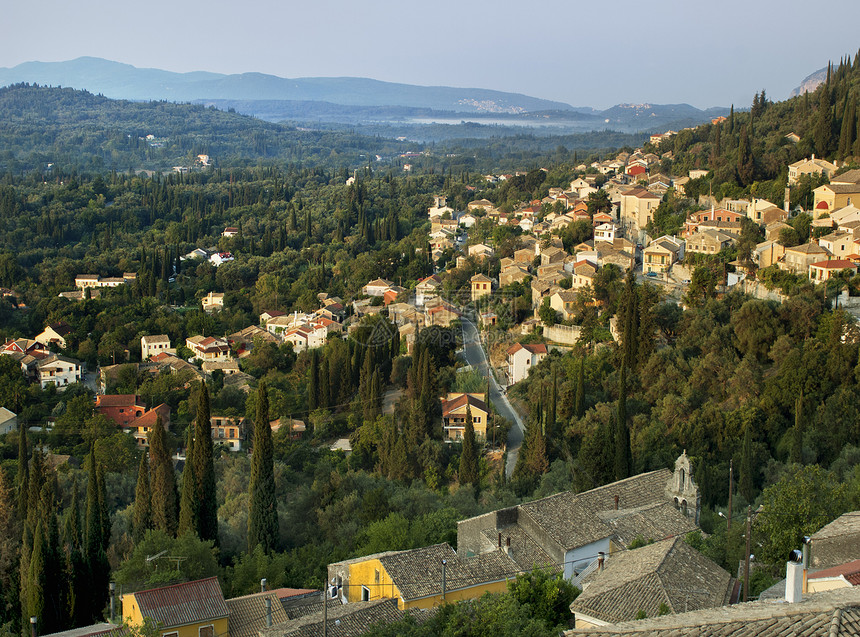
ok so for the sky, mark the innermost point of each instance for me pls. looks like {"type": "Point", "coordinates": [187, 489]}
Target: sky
{"type": "Point", "coordinates": [582, 53]}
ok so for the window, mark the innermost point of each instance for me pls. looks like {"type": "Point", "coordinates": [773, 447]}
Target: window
{"type": "Point", "coordinates": [376, 576]}
{"type": "Point", "coordinates": [365, 594]}
{"type": "Point", "coordinates": [174, 634]}
{"type": "Point", "coordinates": [207, 631]}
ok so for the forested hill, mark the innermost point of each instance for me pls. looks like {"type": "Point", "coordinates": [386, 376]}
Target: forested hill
{"type": "Point", "coordinates": [749, 153]}
{"type": "Point", "coordinates": [42, 125]}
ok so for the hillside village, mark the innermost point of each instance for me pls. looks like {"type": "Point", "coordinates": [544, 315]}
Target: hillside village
{"type": "Point", "coordinates": [530, 278]}
{"type": "Point", "coordinates": [604, 396]}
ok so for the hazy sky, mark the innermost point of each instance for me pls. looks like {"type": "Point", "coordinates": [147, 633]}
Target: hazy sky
{"type": "Point", "coordinates": [583, 53]}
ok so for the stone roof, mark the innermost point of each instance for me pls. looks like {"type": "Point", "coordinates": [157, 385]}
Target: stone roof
{"type": "Point", "coordinates": [808, 248]}
{"type": "Point", "coordinates": [837, 542]}
{"type": "Point", "coordinates": [669, 572]}
{"type": "Point", "coordinates": [848, 177]}
{"type": "Point", "coordinates": [525, 551]}
{"type": "Point", "coordinates": [418, 573]}
{"type": "Point", "coordinates": [652, 522]}
{"type": "Point", "coordinates": [248, 613]}
{"type": "Point", "coordinates": [840, 189]}
{"type": "Point", "coordinates": [828, 614]}
{"type": "Point", "coordinates": [570, 518]}
{"type": "Point", "coordinates": [345, 620]}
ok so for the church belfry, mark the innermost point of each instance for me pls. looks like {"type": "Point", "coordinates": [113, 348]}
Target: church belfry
{"type": "Point", "coordinates": [682, 490]}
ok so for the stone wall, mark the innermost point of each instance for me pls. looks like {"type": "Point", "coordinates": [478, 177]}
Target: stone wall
{"type": "Point", "coordinates": [471, 540]}
{"type": "Point", "coordinates": [564, 334]}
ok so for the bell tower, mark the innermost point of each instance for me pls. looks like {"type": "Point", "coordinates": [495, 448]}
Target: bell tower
{"type": "Point", "coordinates": [682, 490]}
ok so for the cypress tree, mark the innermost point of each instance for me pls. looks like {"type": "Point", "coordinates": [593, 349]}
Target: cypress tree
{"type": "Point", "coordinates": [746, 167]}
{"type": "Point", "coordinates": [313, 382]}
{"type": "Point", "coordinates": [622, 432]}
{"type": "Point", "coordinates": [324, 386]}
{"type": "Point", "coordinates": [75, 566]}
{"type": "Point", "coordinates": [399, 462]}
{"type": "Point", "coordinates": [187, 498]}
{"type": "Point", "coordinates": [56, 585]}
{"type": "Point", "coordinates": [647, 323]}
{"type": "Point", "coordinates": [93, 527]}
{"type": "Point", "coordinates": [797, 431]}
{"type": "Point", "coordinates": [579, 401]}
{"type": "Point", "coordinates": [94, 553]}
{"type": "Point", "coordinates": [34, 497]}
{"type": "Point", "coordinates": [23, 477]}
{"type": "Point", "coordinates": [104, 515]}
{"type": "Point", "coordinates": [631, 320]}
{"type": "Point", "coordinates": [204, 471]}
{"type": "Point", "coordinates": [848, 133]}
{"type": "Point", "coordinates": [33, 604]}
{"type": "Point", "coordinates": [536, 460]}
{"type": "Point", "coordinates": [9, 589]}
{"type": "Point", "coordinates": [263, 513]}
{"type": "Point", "coordinates": [164, 496]}
{"type": "Point", "coordinates": [746, 479]}
{"type": "Point", "coordinates": [553, 405]}
{"type": "Point", "coordinates": [469, 455]}
{"type": "Point", "coordinates": [142, 516]}
{"type": "Point", "coordinates": [823, 130]}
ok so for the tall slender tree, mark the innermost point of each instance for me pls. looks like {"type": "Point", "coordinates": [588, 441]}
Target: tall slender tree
{"type": "Point", "coordinates": [33, 604]}
{"type": "Point", "coordinates": [579, 400]}
{"type": "Point", "coordinates": [142, 515]}
{"type": "Point", "coordinates": [164, 496]}
{"type": "Point", "coordinates": [746, 480]}
{"type": "Point", "coordinates": [188, 496]}
{"type": "Point", "coordinates": [263, 513]}
{"type": "Point", "coordinates": [622, 432]}
{"type": "Point", "coordinates": [204, 471]}
{"type": "Point", "coordinates": [76, 567]}
{"type": "Point", "coordinates": [796, 454]}
{"type": "Point", "coordinates": [469, 454]}
{"type": "Point", "coordinates": [23, 478]}
{"type": "Point", "coordinates": [94, 553]}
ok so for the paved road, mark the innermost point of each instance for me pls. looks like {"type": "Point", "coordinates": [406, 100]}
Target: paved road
{"type": "Point", "coordinates": [473, 352]}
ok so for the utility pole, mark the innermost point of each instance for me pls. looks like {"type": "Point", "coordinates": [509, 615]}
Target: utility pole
{"type": "Point", "coordinates": [731, 488]}
{"type": "Point", "coordinates": [747, 560]}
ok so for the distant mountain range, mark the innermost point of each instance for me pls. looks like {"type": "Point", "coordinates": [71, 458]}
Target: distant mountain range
{"type": "Point", "coordinates": [349, 100]}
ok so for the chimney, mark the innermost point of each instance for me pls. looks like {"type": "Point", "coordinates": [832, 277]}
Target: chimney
{"type": "Point", "coordinates": [263, 585]}
{"type": "Point", "coordinates": [500, 541]}
{"type": "Point", "coordinates": [268, 611]}
{"type": "Point", "coordinates": [508, 545]}
{"type": "Point", "coordinates": [616, 502]}
{"type": "Point", "coordinates": [794, 577]}
{"type": "Point", "coordinates": [601, 558]}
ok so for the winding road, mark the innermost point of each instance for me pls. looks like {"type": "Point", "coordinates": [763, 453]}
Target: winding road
{"type": "Point", "coordinates": [474, 354]}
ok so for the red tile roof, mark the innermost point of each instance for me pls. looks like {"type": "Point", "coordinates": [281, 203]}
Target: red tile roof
{"type": "Point", "coordinates": [835, 264]}
{"type": "Point", "coordinates": [534, 348]}
{"type": "Point", "coordinates": [850, 571]}
{"type": "Point", "coordinates": [149, 418]}
{"type": "Point", "coordinates": [117, 400]}
{"type": "Point", "coordinates": [450, 405]}
{"type": "Point", "coordinates": [186, 603]}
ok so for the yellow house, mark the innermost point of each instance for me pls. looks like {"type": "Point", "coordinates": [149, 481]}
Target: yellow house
{"type": "Point", "coordinates": [192, 609]}
{"type": "Point", "coordinates": [454, 408]}
{"type": "Point", "coordinates": [421, 578]}
{"type": "Point", "coordinates": [481, 286]}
